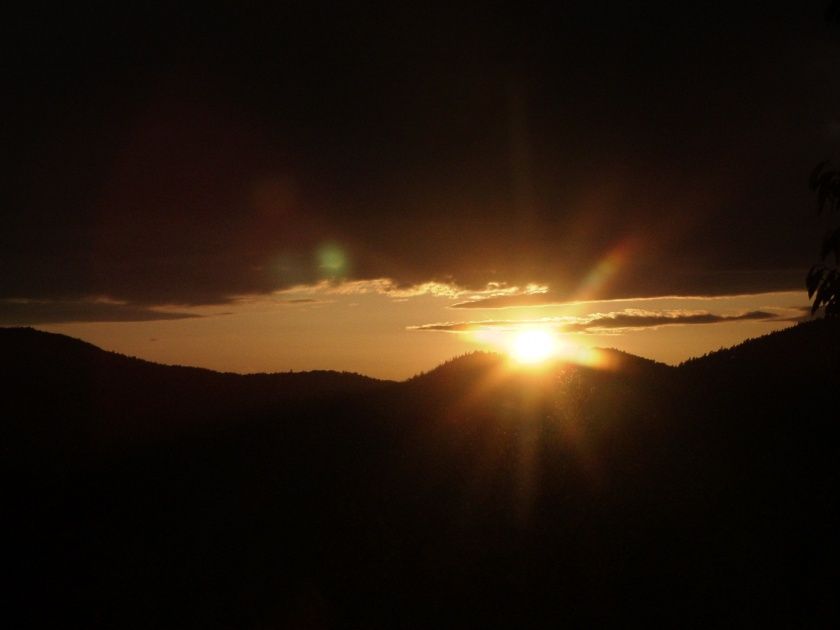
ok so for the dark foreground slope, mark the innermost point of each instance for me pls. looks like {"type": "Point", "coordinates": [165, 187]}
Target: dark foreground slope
{"type": "Point", "coordinates": [472, 495]}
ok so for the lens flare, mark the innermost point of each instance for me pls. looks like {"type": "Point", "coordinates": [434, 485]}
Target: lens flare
{"type": "Point", "coordinates": [332, 261]}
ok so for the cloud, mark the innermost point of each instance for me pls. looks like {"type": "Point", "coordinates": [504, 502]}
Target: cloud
{"type": "Point", "coordinates": [629, 319]}
{"type": "Point", "coordinates": [633, 319]}
{"type": "Point", "coordinates": [18, 312]}
{"type": "Point", "coordinates": [391, 288]}
{"type": "Point", "coordinates": [548, 297]}
{"type": "Point", "coordinates": [190, 185]}
{"type": "Point", "coordinates": [379, 286]}
{"type": "Point", "coordinates": [515, 300]}
{"type": "Point", "coordinates": [804, 314]}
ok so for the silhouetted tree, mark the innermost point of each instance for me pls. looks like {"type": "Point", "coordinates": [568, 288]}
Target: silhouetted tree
{"type": "Point", "coordinates": [832, 14]}
{"type": "Point", "coordinates": [823, 281]}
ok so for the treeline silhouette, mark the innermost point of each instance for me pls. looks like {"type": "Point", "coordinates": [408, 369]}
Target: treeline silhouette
{"type": "Point", "coordinates": [140, 495]}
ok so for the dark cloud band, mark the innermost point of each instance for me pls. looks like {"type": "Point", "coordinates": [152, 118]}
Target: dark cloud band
{"type": "Point", "coordinates": [517, 148]}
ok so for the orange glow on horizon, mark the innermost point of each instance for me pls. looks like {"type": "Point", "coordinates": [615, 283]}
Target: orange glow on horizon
{"type": "Point", "coordinates": [540, 347]}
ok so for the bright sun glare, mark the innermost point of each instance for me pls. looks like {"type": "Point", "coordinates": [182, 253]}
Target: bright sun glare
{"type": "Point", "coordinates": [533, 346]}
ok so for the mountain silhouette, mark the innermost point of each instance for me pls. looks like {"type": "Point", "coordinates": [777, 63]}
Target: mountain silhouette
{"type": "Point", "coordinates": [89, 397]}
{"type": "Point", "coordinates": [141, 495]}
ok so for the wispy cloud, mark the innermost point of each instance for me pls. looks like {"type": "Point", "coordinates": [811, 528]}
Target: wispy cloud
{"type": "Point", "coordinates": [802, 314]}
{"type": "Point", "coordinates": [380, 286]}
{"type": "Point", "coordinates": [22, 311]}
{"type": "Point", "coordinates": [303, 301]}
{"type": "Point", "coordinates": [548, 297]}
{"type": "Point", "coordinates": [629, 319]}
{"type": "Point", "coordinates": [512, 300]}
{"type": "Point", "coordinates": [390, 288]}
{"type": "Point", "coordinates": [637, 318]}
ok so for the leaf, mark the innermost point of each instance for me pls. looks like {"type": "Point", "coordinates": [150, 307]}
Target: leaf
{"type": "Point", "coordinates": [827, 187]}
{"type": "Point", "coordinates": [815, 174]}
{"type": "Point", "coordinates": [813, 279]}
{"type": "Point", "coordinates": [819, 299]}
{"type": "Point", "coordinates": [831, 244]}
{"type": "Point", "coordinates": [828, 293]}
{"type": "Point", "coordinates": [824, 192]}
{"type": "Point", "coordinates": [832, 13]}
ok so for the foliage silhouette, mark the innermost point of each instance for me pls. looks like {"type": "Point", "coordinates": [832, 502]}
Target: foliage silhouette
{"type": "Point", "coordinates": [823, 281]}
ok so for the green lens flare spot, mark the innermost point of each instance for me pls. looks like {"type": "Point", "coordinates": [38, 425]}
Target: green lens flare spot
{"type": "Point", "coordinates": [332, 260]}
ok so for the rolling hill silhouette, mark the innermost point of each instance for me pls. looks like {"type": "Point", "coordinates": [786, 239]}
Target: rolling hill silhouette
{"type": "Point", "coordinates": [141, 495]}
{"type": "Point", "coordinates": [86, 398]}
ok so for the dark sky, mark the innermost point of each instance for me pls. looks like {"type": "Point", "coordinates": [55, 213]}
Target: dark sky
{"type": "Point", "coordinates": [175, 156]}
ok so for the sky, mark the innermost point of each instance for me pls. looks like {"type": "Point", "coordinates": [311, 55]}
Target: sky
{"type": "Point", "coordinates": [379, 187]}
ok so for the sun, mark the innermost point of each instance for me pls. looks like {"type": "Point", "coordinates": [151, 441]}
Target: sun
{"type": "Point", "coordinates": [533, 346]}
